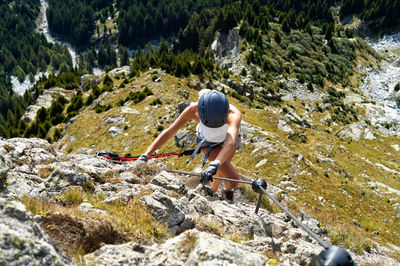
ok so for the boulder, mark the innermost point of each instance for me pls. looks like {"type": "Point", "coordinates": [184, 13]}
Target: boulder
{"type": "Point", "coordinates": [357, 131]}
{"type": "Point", "coordinates": [130, 253]}
{"type": "Point", "coordinates": [22, 239]}
{"type": "Point", "coordinates": [169, 211]}
{"type": "Point", "coordinates": [169, 182]}
{"type": "Point", "coordinates": [184, 138]}
{"type": "Point", "coordinates": [284, 126]}
{"type": "Point", "coordinates": [125, 70]}
{"type": "Point", "coordinates": [88, 81]}
{"type": "Point", "coordinates": [62, 178]}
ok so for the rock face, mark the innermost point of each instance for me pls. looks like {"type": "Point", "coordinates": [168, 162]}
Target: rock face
{"type": "Point", "coordinates": [45, 100]}
{"type": "Point", "coordinates": [88, 81]}
{"type": "Point", "coordinates": [226, 48]}
{"type": "Point", "coordinates": [22, 239]}
{"type": "Point", "coordinates": [201, 224]}
{"type": "Point", "coordinates": [189, 248]}
{"type": "Point", "coordinates": [357, 131]}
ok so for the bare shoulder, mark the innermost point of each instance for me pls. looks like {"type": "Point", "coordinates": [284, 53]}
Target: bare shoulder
{"type": "Point", "coordinates": [233, 109]}
{"type": "Point", "coordinates": [234, 116]}
{"type": "Point", "coordinates": [190, 111]}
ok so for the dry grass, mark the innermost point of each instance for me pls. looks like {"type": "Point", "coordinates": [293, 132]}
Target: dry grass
{"type": "Point", "coordinates": [205, 224]}
{"type": "Point", "coordinates": [45, 172]}
{"type": "Point", "coordinates": [146, 172]}
{"type": "Point", "coordinates": [250, 195]}
{"type": "Point", "coordinates": [73, 196]}
{"type": "Point", "coordinates": [135, 220]}
{"type": "Point", "coordinates": [132, 219]}
{"type": "Point", "coordinates": [188, 243]}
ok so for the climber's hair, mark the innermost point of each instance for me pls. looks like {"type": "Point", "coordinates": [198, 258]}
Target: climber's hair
{"type": "Point", "coordinates": [203, 91]}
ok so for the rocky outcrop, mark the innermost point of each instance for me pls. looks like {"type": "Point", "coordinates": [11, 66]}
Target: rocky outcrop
{"type": "Point", "coordinates": [45, 100]}
{"type": "Point", "coordinates": [23, 240]}
{"type": "Point", "coordinates": [200, 223]}
{"type": "Point", "coordinates": [125, 70]}
{"type": "Point", "coordinates": [88, 81]}
{"type": "Point", "coordinates": [189, 248]}
{"type": "Point", "coordinates": [226, 48]}
{"type": "Point", "coordinates": [357, 131]}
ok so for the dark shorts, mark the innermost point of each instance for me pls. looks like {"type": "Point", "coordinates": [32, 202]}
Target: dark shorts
{"type": "Point", "coordinates": [238, 143]}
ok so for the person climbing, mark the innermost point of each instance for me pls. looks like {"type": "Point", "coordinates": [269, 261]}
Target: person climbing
{"type": "Point", "coordinates": [218, 127]}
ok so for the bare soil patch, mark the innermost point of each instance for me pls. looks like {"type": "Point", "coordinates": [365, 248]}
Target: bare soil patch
{"type": "Point", "coordinates": [80, 235]}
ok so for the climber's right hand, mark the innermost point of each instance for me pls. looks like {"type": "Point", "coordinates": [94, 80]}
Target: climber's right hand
{"type": "Point", "coordinates": [142, 159]}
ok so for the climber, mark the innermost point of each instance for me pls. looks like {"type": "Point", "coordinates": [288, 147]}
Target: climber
{"type": "Point", "coordinates": [218, 127]}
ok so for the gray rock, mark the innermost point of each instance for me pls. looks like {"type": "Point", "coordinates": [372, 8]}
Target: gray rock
{"type": "Point", "coordinates": [125, 70]}
{"type": "Point", "coordinates": [22, 239]}
{"type": "Point", "coordinates": [184, 138]}
{"type": "Point", "coordinates": [31, 151]}
{"type": "Point", "coordinates": [20, 183]}
{"type": "Point", "coordinates": [169, 211]}
{"type": "Point", "coordinates": [88, 81]}
{"type": "Point", "coordinates": [226, 48]}
{"type": "Point", "coordinates": [295, 118]}
{"type": "Point", "coordinates": [299, 253]}
{"type": "Point", "coordinates": [61, 178]}
{"type": "Point", "coordinates": [45, 100]}
{"type": "Point", "coordinates": [115, 120]}
{"type": "Point", "coordinates": [124, 254]}
{"type": "Point", "coordinates": [357, 131]}
{"type": "Point", "coordinates": [89, 208]}
{"type": "Point", "coordinates": [242, 89]}
{"type": "Point", "coordinates": [211, 250]}
{"type": "Point", "coordinates": [169, 182]}
{"type": "Point", "coordinates": [284, 126]}
{"type": "Point", "coordinates": [182, 106]}
{"type": "Point", "coordinates": [114, 131]}
{"type": "Point", "coordinates": [5, 165]}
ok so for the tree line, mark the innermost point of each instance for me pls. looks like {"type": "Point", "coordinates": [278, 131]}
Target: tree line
{"type": "Point", "coordinates": [23, 51]}
{"type": "Point", "coordinates": [74, 20]}
{"type": "Point", "coordinates": [380, 16]}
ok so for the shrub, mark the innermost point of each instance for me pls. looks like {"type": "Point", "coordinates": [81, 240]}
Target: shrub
{"type": "Point", "coordinates": [156, 101]}
{"type": "Point", "coordinates": [74, 196]}
{"type": "Point", "coordinates": [57, 134]}
{"type": "Point", "coordinates": [98, 108]}
{"type": "Point", "coordinates": [397, 87]}
{"type": "Point", "coordinates": [107, 81]}
{"type": "Point", "coordinates": [89, 100]}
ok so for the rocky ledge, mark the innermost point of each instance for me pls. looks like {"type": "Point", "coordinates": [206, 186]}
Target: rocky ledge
{"type": "Point", "coordinates": [202, 228]}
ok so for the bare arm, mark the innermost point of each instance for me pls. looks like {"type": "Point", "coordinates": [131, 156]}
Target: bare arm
{"type": "Point", "coordinates": [234, 119]}
{"type": "Point", "coordinates": [186, 115]}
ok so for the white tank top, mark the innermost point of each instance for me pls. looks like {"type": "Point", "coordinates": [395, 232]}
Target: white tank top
{"type": "Point", "coordinates": [214, 135]}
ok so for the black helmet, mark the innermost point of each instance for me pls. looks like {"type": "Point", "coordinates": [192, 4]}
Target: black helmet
{"type": "Point", "coordinates": [213, 109]}
{"type": "Point", "coordinates": [335, 256]}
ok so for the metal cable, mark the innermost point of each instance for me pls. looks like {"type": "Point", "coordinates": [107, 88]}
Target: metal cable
{"type": "Point", "coordinates": [311, 233]}
{"type": "Point", "coordinates": [305, 228]}
{"type": "Point", "coordinates": [214, 177]}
